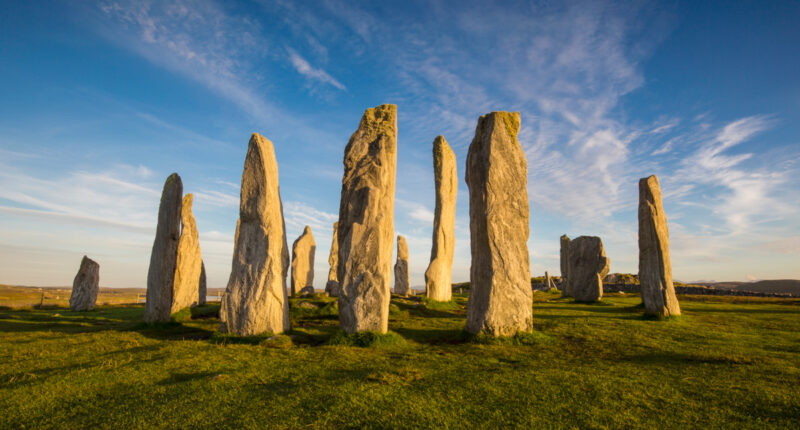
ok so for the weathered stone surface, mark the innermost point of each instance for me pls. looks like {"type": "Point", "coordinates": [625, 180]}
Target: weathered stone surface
{"type": "Point", "coordinates": [255, 299]}
{"type": "Point", "coordinates": [164, 256]}
{"type": "Point", "coordinates": [587, 267]}
{"type": "Point", "coordinates": [501, 300]}
{"type": "Point", "coordinates": [565, 265]}
{"type": "Point", "coordinates": [655, 268]}
{"type": "Point", "coordinates": [366, 222]}
{"type": "Point", "coordinates": [438, 281]}
{"type": "Point", "coordinates": [548, 283]}
{"type": "Point", "coordinates": [303, 251]}
{"type": "Point", "coordinates": [332, 287]}
{"type": "Point", "coordinates": [85, 286]}
{"type": "Point", "coordinates": [401, 278]}
{"type": "Point", "coordinates": [202, 290]}
{"type": "Point", "coordinates": [189, 262]}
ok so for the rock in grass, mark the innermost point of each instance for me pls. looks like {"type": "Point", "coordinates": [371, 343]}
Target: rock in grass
{"type": "Point", "coordinates": [366, 222]}
{"type": "Point", "coordinates": [255, 299]}
{"type": "Point", "coordinates": [189, 262]}
{"type": "Point", "coordinates": [401, 279]}
{"type": "Point", "coordinates": [501, 300]}
{"type": "Point", "coordinates": [202, 290]}
{"type": "Point", "coordinates": [85, 286]}
{"type": "Point", "coordinates": [588, 265]}
{"type": "Point", "coordinates": [438, 281]}
{"type": "Point", "coordinates": [655, 268]}
{"type": "Point", "coordinates": [332, 286]}
{"type": "Point", "coordinates": [565, 266]}
{"type": "Point", "coordinates": [303, 250]}
{"type": "Point", "coordinates": [164, 256]}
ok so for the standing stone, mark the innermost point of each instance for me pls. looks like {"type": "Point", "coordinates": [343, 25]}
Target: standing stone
{"type": "Point", "coordinates": [255, 299]}
{"type": "Point", "coordinates": [85, 286]}
{"type": "Point", "coordinates": [501, 300]}
{"type": "Point", "coordinates": [303, 251]}
{"type": "Point", "coordinates": [332, 287]}
{"type": "Point", "coordinates": [189, 262]}
{"type": "Point", "coordinates": [565, 265]}
{"type": "Point", "coordinates": [164, 256]}
{"type": "Point", "coordinates": [548, 284]}
{"type": "Point", "coordinates": [655, 268]}
{"type": "Point", "coordinates": [366, 222]}
{"type": "Point", "coordinates": [588, 265]}
{"type": "Point", "coordinates": [202, 290]}
{"type": "Point", "coordinates": [438, 281]}
{"type": "Point", "coordinates": [401, 280]}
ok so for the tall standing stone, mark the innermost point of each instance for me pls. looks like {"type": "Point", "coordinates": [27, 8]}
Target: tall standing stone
{"type": "Point", "coordinates": [438, 281]}
{"type": "Point", "coordinates": [655, 268]}
{"type": "Point", "coordinates": [164, 256]}
{"type": "Point", "coordinates": [85, 286]}
{"type": "Point", "coordinates": [366, 222]}
{"type": "Point", "coordinates": [565, 265]}
{"type": "Point", "coordinates": [401, 279]}
{"type": "Point", "coordinates": [255, 299]}
{"type": "Point", "coordinates": [501, 300]}
{"type": "Point", "coordinates": [332, 287]}
{"type": "Point", "coordinates": [202, 290]}
{"type": "Point", "coordinates": [548, 284]}
{"type": "Point", "coordinates": [188, 265]}
{"type": "Point", "coordinates": [303, 250]}
{"type": "Point", "coordinates": [588, 265]}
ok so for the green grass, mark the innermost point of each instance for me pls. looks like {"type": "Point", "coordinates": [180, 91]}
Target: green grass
{"type": "Point", "coordinates": [727, 363]}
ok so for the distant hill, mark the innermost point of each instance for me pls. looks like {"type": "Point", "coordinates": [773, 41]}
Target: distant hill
{"type": "Point", "coordinates": [767, 286]}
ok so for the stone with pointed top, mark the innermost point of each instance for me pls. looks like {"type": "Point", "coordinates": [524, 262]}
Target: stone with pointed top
{"type": "Point", "coordinates": [332, 286]}
{"type": "Point", "coordinates": [501, 300]}
{"type": "Point", "coordinates": [303, 251]}
{"type": "Point", "coordinates": [164, 255]}
{"type": "Point", "coordinates": [188, 265]}
{"type": "Point", "coordinates": [401, 278]}
{"type": "Point", "coordinates": [438, 281]}
{"type": "Point", "coordinates": [202, 290]}
{"type": "Point", "coordinates": [85, 286]}
{"type": "Point", "coordinates": [366, 222]}
{"type": "Point", "coordinates": [255, 299]}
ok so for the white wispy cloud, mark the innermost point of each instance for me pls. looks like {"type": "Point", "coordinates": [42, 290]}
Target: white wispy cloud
{"type": "Point", "coordinates": [304, 68]}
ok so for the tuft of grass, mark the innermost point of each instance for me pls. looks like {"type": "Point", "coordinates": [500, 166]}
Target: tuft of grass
{"type": "Point", "coordinates": [367, 339]}
{"type": "Point", "coordinates": [182, 315]}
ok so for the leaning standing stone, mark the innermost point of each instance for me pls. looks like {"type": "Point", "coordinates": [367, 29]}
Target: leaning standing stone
{"type": "Point", "coordinates": [189, 262]}
{"type": "Point", "coordinates": [303, 250]}
{"type": "Point", "coordinates": [565, 266]}
{"type": "Point", "coordinates": [501, 300]}
{"type": "Point", "coordinates": [655, 269]}
{"type": "Point", "coordinates": [85, 286]}
{"type": "Point", "coordinates": [366, 222]}
{"type": "Point", "coordinates": [401, 280]}
{"type": "Point", "coordinates": [438, 283]}
{"type": "Point", "coordinates": [255, 299]}
{"type": "Point", "coordinates": [332, 287]}
{"type": "Point", "coordinates": [164, 256]}
{"type": "Point", "coordinates": [588, 265]}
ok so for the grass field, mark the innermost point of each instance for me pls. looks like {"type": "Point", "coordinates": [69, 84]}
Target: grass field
{"type": "Point", "coordinates": [727, 363]}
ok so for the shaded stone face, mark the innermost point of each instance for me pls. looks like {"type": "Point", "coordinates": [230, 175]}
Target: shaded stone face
{"type": "Point", "coordinates": [501, 299]}
{"type": "Point", "coordinates": [164, 256]}
{"type": "Point", "coordinates": [587, 267]}
{"type": "Point", "coordinates": [401, 279]}
{"type": "Point", "coordinates": [255, 299]}
{"type": "Point", "coordinates": [202, 290]}
{"type": "Point", "coordinates": [189, 261]}
{"type": "Point", "coordinates": [85, 286]}
{"type": "Point", "coordinates": [366, 222]}
{"type": "Point", "coordinates": [565, 266]}
{"type": "Point", "coordinates": [438, 281]}
{"type": "Point", "coordinates": [303, 250]}
{"type": "Point", "coordinates": [655, 268]}
{"type": "Point", "coordinates": [332, 287]}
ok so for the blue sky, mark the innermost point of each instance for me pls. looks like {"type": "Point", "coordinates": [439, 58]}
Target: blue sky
{"type": "Point", "coordinates": [101, 101]}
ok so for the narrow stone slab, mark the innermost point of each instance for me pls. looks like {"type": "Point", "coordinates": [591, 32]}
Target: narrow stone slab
{"type": "Point", "coordinates": [164, 256]}
{"type": "Point", "coordinates": [588, 265]}
{"type": "Point", "coordinates": [255, 299]}
{"type": "Point", "coordinates": [303, 250]}
{"type": "Point", "coordinates": [85, 286]}
{"type": "Point", "coordinates": [189, 263]}
{"type": "Point", "coordinates": [332, 287]}
{"type": "Point", "coordinates": [401, 278]}
{"type": "Point", "coordinates": [202, 290]}
{"type": "Point", "coordinates": [501, 300]}
{"type": "Point", "coordinates": [438, 281]}
{"type": "Point", "coordinates": [565, 241]}
{"type": "Point", "coordinates": [655, 268]}
{"type": "Point", "coordinates": [366, 222]}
